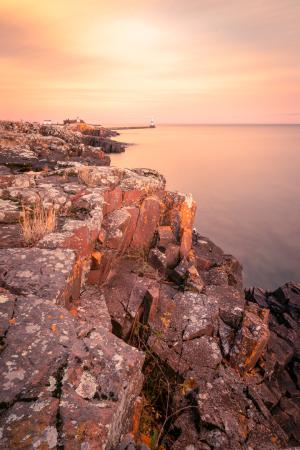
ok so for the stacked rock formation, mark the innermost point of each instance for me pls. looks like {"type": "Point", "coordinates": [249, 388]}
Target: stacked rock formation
{"type": "Point", "coordinates": [30, 146]}
{"type": "Point", "coordinates": [122, 264]}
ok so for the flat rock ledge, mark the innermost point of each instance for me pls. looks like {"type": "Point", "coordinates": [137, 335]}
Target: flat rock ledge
{"type": "Point", "coordinates": [124, 266]}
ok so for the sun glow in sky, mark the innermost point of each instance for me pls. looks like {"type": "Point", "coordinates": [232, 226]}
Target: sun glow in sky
{"type": "Point", "coordinates": [125, 61]}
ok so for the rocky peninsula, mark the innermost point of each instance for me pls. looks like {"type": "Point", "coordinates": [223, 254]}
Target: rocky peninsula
{"type": "Point", "coordinates": [121, 327]}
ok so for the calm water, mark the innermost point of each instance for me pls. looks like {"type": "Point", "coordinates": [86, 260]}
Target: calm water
{"type": "Point", "coordinates": [246, 181]}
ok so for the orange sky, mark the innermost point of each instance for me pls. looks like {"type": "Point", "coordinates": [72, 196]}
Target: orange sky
{"type": "Point", "coordinates": [126, 61]}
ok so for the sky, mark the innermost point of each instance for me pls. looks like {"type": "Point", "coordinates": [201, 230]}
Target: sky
{"type": "Point", "coordinates": [119, 62]}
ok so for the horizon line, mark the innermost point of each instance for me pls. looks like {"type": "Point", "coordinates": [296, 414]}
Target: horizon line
{"type": "Point", "coordinates": [205, 124]}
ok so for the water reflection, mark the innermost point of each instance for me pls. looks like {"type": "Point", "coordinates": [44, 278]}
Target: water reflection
{"type": "Point", "coordinates": [245, 180]}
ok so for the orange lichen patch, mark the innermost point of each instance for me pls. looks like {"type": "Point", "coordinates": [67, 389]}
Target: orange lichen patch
{"type": "Point", "coordinates": [243, 426]}
{"type": "Point", "coordinates": [186, 242]}
{"type": "Point", "coordinates": [138, 406]}
{"type": "Point", "coordinates": [188, 385]}
{"type": "Point", "coordinates": [80, 127]}
{"type": "Point", "coordinates": [53, 327]}
{"type": "Point", "coordinates": [85, 431]}
{"type": "Point", "coordinates": [96, 255]}
{"type": "Point", "coordinates": [74, 311]}
{"type": "Point", "coordinates": [145, 439]}
{"type": "Point", "coordinates": [71, 291]}
{"type": "Point", "coordinates": [187, 212]}
{"type": "Point", "coordinates": [102, 236]}
{"type": "Point", "coordinates": [165, 319]}
{"type": "Point", "coordinates": [112, 200]}
{"type": "Point", "coordinates": [275, 440]}
{"type": "Point", "coordinates": [192, 256]}
{"type": "Point", "coordinates": [257, 350]}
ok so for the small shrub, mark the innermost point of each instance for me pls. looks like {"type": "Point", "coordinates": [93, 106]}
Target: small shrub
{"type": "Point", "coordinates": [37, 221]}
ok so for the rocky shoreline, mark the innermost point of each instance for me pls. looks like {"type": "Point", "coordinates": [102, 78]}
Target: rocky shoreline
{"type": "Point", "coordinates": [122, 327]}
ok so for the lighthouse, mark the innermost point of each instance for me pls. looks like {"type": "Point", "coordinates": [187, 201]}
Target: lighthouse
{"type": "Point", "coordinates": [152, 124]}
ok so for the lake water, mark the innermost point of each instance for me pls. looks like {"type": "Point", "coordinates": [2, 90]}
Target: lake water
{"type": "Point", "coordinates": [246, 181]}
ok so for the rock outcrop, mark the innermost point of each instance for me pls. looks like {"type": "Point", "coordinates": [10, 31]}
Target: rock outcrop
{"type": "Point", "coordinates": [28, 146]}
{"type": "Point", "coordinates": [123, 284]}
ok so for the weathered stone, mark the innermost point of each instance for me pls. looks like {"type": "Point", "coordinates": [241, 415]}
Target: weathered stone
{"type": "Point", "coordinates": [275, 305]}
{"type": "Point", "coordinates": [189, 435]}
{"type": "Point", "coordinates": [180, 273]}
{"type": "Point", "coordinates": [9, 211]}
{"type": "Point", "coordinates": [194, 280]}
{"type": "Point", "coordinates": [11, 236]}
{"type": "Point", "coordinates": [133, 197]}
{"type": "Point", "coordinates": [203, 355]}
{"type": "Point", "coordinates": [289, 294]}
{"type": "Point", "coordinates": [186, 242]}
{"type": "Point", "coordinates": [286, 384]}
{"type": "Point", "coordinates": [181, 332]}
{"type": "Point", "coordinates": [91, 312]}
{"type": "Point", "coordinates": [258, 296]}
{"type": "Point", "coordinates": [130, 231]}
{"type": "Point", "coordinates": [50, 274]}
{"type": "Point", "coordinates": [226, 334]}
{"type": "Point", "coordinates": [99, 274]}
{"type": "Point", "coordinates": [97, 400]}
{"type": "Point", "coordinates": [234, 271]}
{"type": "Point", "coordinates": [146, 225]}
{"type": "Point", "coordinates": [267, 394]}
{"type": "Point", "coordinates": [289, 418]}
{"type": "Point", "coordinates": [224, 406]}
{"type": "Point", "coordinates": [151, 300]}
{"type": "Point", "coordinates": [106, 177]}
{"type": "Point", "coordinates": [231, 303]}
{"type": "Point", "coordinates": [199, 314]}
{"type": "Point", "coordinates": [130, 298]}
{"type": "Point", "coordinates": [30, 425]}
{"type": "Point", "coordinates": [165, 237]}
{"type": "Point", "coordinates": [251, 338]}
{"type": "Point", "coordinates": [217, 276]}
{"type": "Point", "coordinates": [157, 259]}
{"type": "Point", "coordinates": [207, 253]}
{"type": "Point", "coordinates": [282, 351]}
{"type": "Point", "coordinates": [127, 443]}
{"type": "Point", "coordinates": [112, 200]}
{"type": "Point", "coordinates": [142, 182]}
{"type": "Point", "coordinates": [36, 347]}
{"type": "Point", "coordinates": [116, 225]}
{"type": "Point", "coordinates": [7, 306]}
{"type": "Point", "coordinates": [120, 227]}
{"type": "Point", "coordinates": [76, 235]}
{"type": "Point", "coordinates": [172, 255]}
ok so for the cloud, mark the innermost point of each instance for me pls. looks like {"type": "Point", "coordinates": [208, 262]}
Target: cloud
{"type": "Point", "coordinates": [183, 58]}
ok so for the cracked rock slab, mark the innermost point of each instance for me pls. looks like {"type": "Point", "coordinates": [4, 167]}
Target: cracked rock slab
{"type": "Point", "coordinates": [48, 274]}
{"type": "Point", "coordinates": [97, 399]}
{"type": "Point", "coordinates": [36, 346]}
{"type": "Point", "coordinates": [92, 312]}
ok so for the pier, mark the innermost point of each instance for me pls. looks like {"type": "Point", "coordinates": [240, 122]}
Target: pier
{"type": "Point", "coordinates": [130, 128]}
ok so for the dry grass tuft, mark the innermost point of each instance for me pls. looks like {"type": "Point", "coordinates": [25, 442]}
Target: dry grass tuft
{"type": "Point", "coordinates": [84, 175]}
{"type": "Point", "coordinates": [37, 221]}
